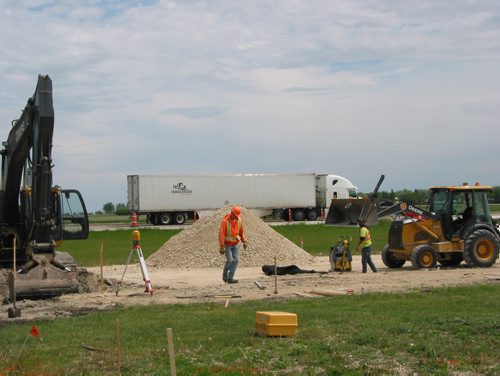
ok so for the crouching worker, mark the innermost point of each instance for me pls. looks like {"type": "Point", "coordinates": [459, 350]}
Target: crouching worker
{"type": "Point", "coordinates": [230, 234]}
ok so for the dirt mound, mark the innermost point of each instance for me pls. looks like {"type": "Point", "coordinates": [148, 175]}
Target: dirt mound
{"type": "Point", "coordinates": [198, 247]}
{"type": "Point", "coordinates": [87, 281]}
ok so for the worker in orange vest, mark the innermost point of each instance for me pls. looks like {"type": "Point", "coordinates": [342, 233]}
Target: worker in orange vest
{"type": "Point", "coordinates": [230, 234]}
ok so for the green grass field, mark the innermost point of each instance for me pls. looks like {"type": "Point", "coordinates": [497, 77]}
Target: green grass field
{"type": "Point", "coordinates": [116, 245]}
{"type": "Point", "coordinates": [440, 332]}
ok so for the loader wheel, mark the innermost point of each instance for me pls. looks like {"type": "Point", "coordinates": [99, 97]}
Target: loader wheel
{"type": "Point", "coordinates": [423, 256]}
{"type": "Point", "coordinates": [390, 260]}
{"type": "Point", "coordinates": [481, 248]}
{"type": "Point", "coordinates": [165, 219]}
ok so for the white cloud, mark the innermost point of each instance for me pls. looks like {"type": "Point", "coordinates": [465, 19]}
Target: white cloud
{"type": "Point", "coordinates": [350, 87]}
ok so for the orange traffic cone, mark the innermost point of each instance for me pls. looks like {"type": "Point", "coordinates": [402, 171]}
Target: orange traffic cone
{"type": "Point", "coordinates": [133, 217]}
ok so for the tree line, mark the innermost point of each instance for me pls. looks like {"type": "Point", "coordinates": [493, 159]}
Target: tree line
{"type": "Point", "coordinates": [110, 208]}
{"type": "Point", "coordinates": [421, 196]}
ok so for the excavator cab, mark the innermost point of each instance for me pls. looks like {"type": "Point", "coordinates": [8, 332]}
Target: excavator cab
{"type": "Point", "coordinates": [75, 223]}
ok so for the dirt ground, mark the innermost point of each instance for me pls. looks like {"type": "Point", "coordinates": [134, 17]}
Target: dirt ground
{"type": "Point", "coordinates": [179, 286]}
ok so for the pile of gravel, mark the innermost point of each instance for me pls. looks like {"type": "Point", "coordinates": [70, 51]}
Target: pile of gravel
{"type": "Point", "coordinates": [197, 246]}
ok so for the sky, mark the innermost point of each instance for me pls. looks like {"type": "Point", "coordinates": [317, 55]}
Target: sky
{"type": "Point", "coordinates": [409, 89]}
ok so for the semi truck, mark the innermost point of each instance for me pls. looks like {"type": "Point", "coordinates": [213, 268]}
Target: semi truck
{"type": "Point", "coordinates": [172, 199]}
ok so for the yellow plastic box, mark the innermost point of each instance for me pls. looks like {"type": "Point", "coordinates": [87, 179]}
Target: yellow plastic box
{"type": "Point", "coordinates": [276, 324]}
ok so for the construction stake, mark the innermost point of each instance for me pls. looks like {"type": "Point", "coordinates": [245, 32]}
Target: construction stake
{"type": "Point", "coordinates": [171, 353]}
{"type": "Point", "coordinates": [304, 295]}
{"type": "Point", "coordinates": [257, 283]}
{"type": "Point", "coordinates": [275, 274]}
{"type": "Point", "coordinates": [101, 261]}
{"type": "Point", "coordinates": [118, 347]}
{"type": "Point", "coordinates": [330, 292]}
{"type": "Point", "coordinates": [14, 311]}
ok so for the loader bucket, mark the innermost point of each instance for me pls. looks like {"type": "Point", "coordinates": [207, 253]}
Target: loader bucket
{"type": "Point", "coordinates": [347, 211]}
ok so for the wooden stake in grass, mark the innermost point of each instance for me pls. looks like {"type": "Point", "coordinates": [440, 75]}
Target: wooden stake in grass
{"type": "Point", "coordinates": [101, 262]}
{"type": "Point", "coordinates": [118, 347]}
{"type": "Point", "coordinates": [171, 353]}
{"type": "Point", "coordinates": [275, 274]}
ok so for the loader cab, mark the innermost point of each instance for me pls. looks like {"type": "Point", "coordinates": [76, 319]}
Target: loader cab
{"type": "Point", "coordinates": [459, 208]}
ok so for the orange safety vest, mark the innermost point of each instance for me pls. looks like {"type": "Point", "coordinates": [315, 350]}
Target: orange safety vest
{"type": "Point", "coordinates": [231, 231]}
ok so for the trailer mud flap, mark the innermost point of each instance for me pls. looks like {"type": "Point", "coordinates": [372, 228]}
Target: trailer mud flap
{"type": "Point", "coordinates": [347, 211]}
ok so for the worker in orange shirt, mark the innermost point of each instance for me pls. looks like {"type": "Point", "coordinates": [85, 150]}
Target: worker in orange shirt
{"type": "Point", "coordinates": [230, 234]}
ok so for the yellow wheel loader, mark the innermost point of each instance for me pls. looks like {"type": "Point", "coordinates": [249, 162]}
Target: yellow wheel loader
{"type": "Point", "coordinates": [456, 227]}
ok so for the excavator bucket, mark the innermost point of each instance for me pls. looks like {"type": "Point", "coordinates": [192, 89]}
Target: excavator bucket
{"type": "Point", "coordinates": [347, 211]}
{"type": "Point", "coordinates": [47, 279]}
{"type": "Point", "coordinates": [43, 282]}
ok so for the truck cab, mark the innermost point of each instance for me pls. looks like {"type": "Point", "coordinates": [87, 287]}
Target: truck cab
{"type": "Point", "coordinates": [329, 187]}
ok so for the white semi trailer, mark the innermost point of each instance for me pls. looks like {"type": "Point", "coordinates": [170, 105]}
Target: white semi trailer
{"type": "Point", "coordinates": [170, 199]}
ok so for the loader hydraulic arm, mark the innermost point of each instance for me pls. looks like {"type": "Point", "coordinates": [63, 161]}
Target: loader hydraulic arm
{"type": "Point", "coordinates": [407, 210]}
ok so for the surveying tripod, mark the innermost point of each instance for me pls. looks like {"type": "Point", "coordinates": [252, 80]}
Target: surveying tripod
{"type": "Point", "coordinates": [136, 237]}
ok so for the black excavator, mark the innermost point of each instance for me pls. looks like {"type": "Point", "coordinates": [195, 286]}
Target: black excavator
{"type": "Point", "coordinates": [35, 217]}
{"type": "Point", "coordinates": [457, 226]}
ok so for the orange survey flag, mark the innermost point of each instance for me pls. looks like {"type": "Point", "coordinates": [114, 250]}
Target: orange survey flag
{"type": "Point", "coordinates": [34, 331]}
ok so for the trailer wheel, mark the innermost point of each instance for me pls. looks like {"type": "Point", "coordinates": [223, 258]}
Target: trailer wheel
{"type": "Point", "coordinates": [390, 260]}
{"type": "Point", "coordinates": [164, 218]}
{"type": "Point", "coordinates": [299, 214]}
{"type": "Point", "coordinates": [311, 215]}
{"type": "Point", "coordinates": [481, 248]}
{"type": "Point", "coordinates": [180, 218]}
{"type": "Point", "coordinates": [153, 218]}
{"type": "Point", "coordinates": [423, 256]}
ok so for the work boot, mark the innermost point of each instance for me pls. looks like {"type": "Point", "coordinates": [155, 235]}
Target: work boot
{"type": "Point", "coordinates": [232, 281]}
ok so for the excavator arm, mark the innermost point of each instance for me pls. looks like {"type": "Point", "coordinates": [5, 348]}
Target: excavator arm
{"type": "Point", "coordinates": [33, 212]}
